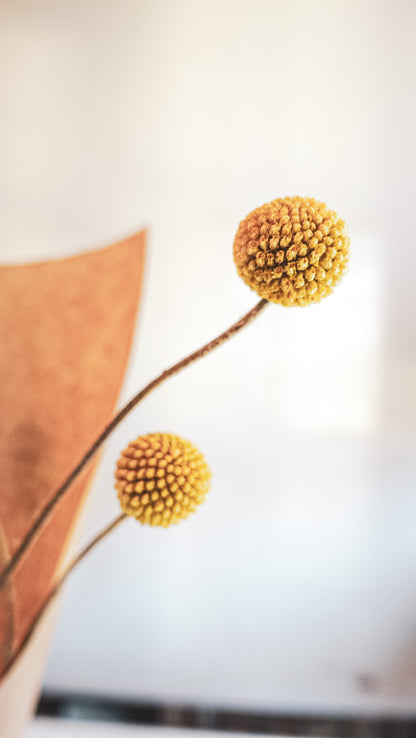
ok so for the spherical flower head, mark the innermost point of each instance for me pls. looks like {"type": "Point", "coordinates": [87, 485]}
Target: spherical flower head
{"type": "Point", "coordinates": [292, 251]}
{"type": "Point", "coordinates": [161, 479]}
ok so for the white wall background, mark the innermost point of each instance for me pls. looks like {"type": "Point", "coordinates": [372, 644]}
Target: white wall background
{"type": "Point", "coordinates": [294, 586]}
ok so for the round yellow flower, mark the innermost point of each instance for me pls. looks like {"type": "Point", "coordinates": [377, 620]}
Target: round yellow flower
{"type": "Point", "coordinates": [161, 478]}
{"type": "Point", "coordinates": [292, 251]}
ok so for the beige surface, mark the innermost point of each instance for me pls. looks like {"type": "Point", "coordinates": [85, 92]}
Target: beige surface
{"type": "Point", "coordinates": [19, 689]}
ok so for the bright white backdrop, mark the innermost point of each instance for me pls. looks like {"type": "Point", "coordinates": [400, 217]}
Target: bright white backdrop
{"type": "Point", "coordinates": [294, 586]}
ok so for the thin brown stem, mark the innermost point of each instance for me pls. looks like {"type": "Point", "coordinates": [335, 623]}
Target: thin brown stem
{"type": "Point", "coordinates": [7, 604]}
{"type": "Point", "coordinates": [45, 512]}
{"type": "Point", "coordinates": [57, 586]}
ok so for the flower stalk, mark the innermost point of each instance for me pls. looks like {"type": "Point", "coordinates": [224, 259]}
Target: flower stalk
{"type": "Point", "coordinates": [57, 587]}
{"type": "Point", "coordinates": [88, 456]}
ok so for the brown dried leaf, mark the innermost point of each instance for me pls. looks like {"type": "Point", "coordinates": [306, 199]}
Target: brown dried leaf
{"type": "Point", "coordinates": [65, 333]}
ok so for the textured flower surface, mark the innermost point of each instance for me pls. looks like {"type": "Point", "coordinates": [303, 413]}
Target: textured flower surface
{"type": "Point", "coordinates": [161, 478]}
{"type": "Point", "coordinates": [292, 251]}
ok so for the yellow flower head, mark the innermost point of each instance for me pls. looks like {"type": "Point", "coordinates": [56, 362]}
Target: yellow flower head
{"type": "Point", "coordinates": [161, 478]}
{"type": "Point", "coordinates": [292, 251]}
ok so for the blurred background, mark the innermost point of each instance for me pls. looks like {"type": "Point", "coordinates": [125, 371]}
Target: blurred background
{"type": "Point", "coordinates": [293, 588]}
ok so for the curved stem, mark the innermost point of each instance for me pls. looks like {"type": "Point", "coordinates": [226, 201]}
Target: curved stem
{"type": "Point", "coordinates": [43, 515]}
{"type": "Point", "coordinates": [57, 586]}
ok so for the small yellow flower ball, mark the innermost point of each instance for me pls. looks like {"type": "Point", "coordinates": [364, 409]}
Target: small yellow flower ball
{"type": "Point", "coordinates": [292, 251]}
{"type": "Point", "coordinates": [161, 478]}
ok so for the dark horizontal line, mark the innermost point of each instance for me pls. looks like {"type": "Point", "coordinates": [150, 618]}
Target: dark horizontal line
{"type": "Point", "coordinates": [86, 707]}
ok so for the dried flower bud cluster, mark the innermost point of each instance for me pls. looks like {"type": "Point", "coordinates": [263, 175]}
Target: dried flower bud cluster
{"type": "Point", "coordinates": [161, 478]}
{"type": "Point", "coordinates": [292, 251]}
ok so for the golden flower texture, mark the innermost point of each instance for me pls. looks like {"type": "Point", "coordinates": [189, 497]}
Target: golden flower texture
{"type": "Point", "coordinates": [161, 478]}
{"type": "Point", "coordinates": [292, 251]}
